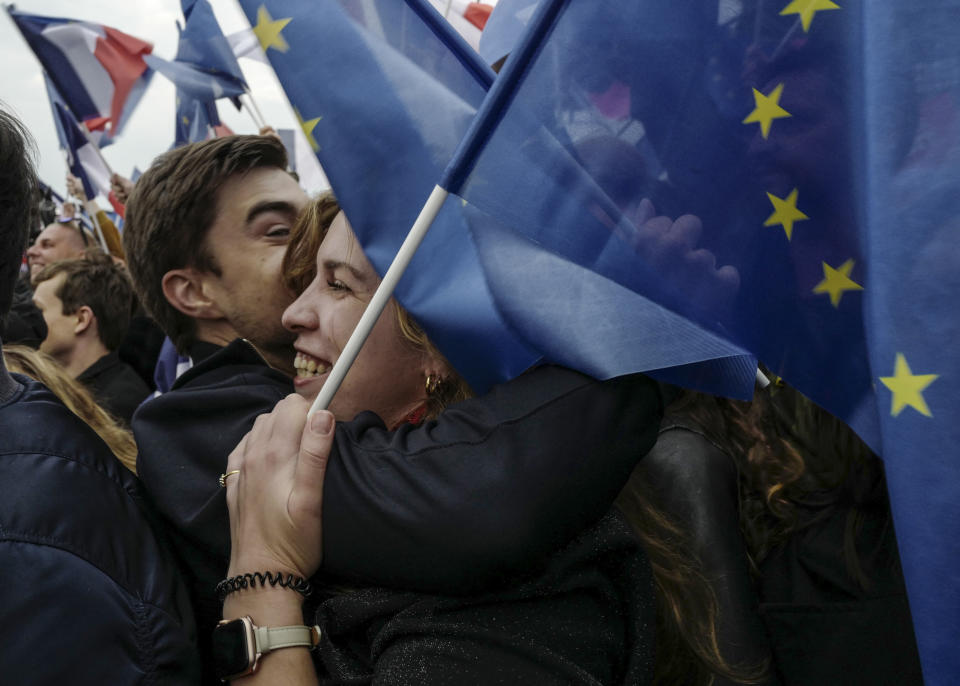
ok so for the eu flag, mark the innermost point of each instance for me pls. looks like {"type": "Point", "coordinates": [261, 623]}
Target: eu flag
{"type": "Point", "coordinates": [385, 101]}
{"type": "Point", "coordinates": [787, 175]}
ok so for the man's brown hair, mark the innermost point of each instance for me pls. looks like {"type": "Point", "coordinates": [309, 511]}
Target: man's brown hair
{"type": "Point", "coordinates": [171, 210]}
{"type": "Point", "coordinates": [101, 284]}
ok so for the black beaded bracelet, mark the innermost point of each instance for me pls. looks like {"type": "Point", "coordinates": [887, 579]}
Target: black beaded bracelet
{"type": "Point", "coordinates": [235, 583]}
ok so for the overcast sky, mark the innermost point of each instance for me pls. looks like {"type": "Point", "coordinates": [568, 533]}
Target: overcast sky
{"type": "Point", "coordinates": [150, 130]}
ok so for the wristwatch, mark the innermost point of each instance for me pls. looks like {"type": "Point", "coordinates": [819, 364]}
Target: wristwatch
{"type": "Point", "coordinates": [238, 644]}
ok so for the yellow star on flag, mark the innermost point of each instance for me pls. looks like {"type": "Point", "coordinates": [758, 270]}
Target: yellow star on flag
{"type": "Point", "coordinates": [186, 122]}
{"type": "Point", "coordinates": [767, 109]}
{"type": "Point", "coordinates": [837, 281]}
{"type": "Point", "coordinates": [785, 212]}
{"type": "Point", "coordinates": [907, 388]}
{"type": "Point", "coordinates": [807, 8]}
{"type": "Point", "coordinates": [268, 31]}
{"type": "Point", "coordinates": [308, 126]}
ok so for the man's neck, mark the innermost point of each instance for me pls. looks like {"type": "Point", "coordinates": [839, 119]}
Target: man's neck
{"type": "Point", "coordinates": [84, 355]}
{"type": "Point", "coordinates": [222, 334]}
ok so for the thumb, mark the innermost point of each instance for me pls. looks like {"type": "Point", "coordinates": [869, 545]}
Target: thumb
{"type": "Point", "coordinates": [315, 445]}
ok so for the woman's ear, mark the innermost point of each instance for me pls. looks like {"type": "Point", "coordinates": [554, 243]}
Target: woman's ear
{"type": "Point", "coordinates": [184, 289]}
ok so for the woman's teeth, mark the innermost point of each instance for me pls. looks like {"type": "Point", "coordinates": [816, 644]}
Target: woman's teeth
{"type": "Point", "coordinates": [309, 366]}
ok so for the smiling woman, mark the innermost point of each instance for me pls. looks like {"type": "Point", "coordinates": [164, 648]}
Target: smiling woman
{"type": "Point", "coordinates": [583, 615]}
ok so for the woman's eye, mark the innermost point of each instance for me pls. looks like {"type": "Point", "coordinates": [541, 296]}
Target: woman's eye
{"type": "Point", "coordinates": [337, 285]}
{"type": "Point", "coordinates": [279, 232]}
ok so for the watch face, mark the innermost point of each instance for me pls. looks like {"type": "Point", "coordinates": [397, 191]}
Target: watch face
{"type": "Point", "coordinates": [232, 648]}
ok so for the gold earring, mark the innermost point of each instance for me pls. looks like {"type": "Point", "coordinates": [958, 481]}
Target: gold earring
{"type": "Point", "coordinates": [432, 383]}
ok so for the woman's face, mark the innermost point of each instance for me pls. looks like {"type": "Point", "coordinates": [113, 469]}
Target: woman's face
{"type": "Point", "coordinates": [388, 375]}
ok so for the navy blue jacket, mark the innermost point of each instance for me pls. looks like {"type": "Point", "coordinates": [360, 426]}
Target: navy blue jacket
{"type": "Point", "coordinates": [88, 593]}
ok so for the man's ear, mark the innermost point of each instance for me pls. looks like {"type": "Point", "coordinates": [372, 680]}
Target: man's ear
{"type": "Point", "coordinates": [184, 289]}
{"type": "Point", "coordinates": [85, 320]}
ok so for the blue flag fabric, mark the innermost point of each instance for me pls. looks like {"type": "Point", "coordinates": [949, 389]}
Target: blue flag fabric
{"type": "Point", "coordinates": [811, 151]}
{"type": "Point", "coordinates": [384, 103]}
{"type": "Point", "coordinates": [194, 119]}
{"type": "Point", "coordinates": [194, 82]}
{"type": "Point", "coordinates": [205, 67]}
{"type": "Point", "coordinates": [399, 91]}
{"type": "Point", "coordinates": [203, 44]}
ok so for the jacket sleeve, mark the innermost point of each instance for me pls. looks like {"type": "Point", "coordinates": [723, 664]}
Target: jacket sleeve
{"type": "Point", "coordinates": [111, 235]}
{"type": "Point", "coordinates": [696, 485]}
{"type": "Point", "coordinates": [66, 621]}
{"type": "Point", "coordinates": [490, 488]}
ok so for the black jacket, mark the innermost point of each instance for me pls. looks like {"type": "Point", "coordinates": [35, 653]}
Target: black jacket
{"type": "Point", "coordinates": [454, 506]}
{"type": "Point", "coordinates": [89, 595]}
{"type": "Point", "coordinates": [115, 386]}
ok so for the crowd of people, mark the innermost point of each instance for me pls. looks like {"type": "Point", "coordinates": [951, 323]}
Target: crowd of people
{"type": "Point", "coordinates": [168, 504]}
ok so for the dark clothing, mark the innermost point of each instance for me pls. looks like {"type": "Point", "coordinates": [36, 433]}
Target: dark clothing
{"type": "Point", "coordinates": [89, 594]}
{"type": "Point", "coordinates": [695, 484]}
{"type": "Point", "coordinates": [455, 506]}
{"type": "Point", "coordinates": [141, 347]}
{"type": "Point", "coordinates": [24, 323]}
{"type": "Point", "coordinates": [585, 617]}
{"type": "Point", "coordinates": [115, 386]}
{"type": "Point", "coordinates": [824, 625]}
{"type": "Point", "coordinates": [805, 612]}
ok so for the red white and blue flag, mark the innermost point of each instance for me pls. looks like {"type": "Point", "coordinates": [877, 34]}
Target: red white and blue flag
{"type": "Point", "coordinates": [99, 71]}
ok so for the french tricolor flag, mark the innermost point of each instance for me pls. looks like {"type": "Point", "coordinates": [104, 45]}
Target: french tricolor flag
{"type": "Point", "coordinates": [99, 71]}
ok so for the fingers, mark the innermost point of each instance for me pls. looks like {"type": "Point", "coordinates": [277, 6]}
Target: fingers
{"type": "Point", "coordinates": [315, 445]}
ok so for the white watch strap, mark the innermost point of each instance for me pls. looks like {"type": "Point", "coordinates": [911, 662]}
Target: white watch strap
{"type": "Point", "coordinates": [273, 638]}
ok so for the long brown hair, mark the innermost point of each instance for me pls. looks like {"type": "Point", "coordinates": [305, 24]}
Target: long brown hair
{"type": "Point", "coordinates": [43, 368]}
{"type": "Point", "coordinates": [795, 461]}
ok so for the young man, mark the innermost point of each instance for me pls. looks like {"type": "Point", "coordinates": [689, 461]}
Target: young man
{"type": "Point", "coordinates": [57, 241]}
{"type": "Point", "coordinates": [87, 305]}
{"type": "Point", "coordinates": [205, 233]}
{"type": "Point", "coordinates": [89, 593]}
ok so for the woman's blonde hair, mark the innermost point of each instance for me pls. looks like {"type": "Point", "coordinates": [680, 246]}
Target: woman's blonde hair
{"type": "Point", "coordinates": [300, 268]}
{"type": "Point", "coordinates": [43, 368]}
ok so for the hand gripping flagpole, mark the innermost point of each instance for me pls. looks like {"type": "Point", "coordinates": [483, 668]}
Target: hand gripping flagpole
{"type": "Point", "coordinates": [380, 299]}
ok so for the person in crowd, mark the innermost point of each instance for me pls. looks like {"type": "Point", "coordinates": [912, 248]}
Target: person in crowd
{"type": "Point", "coordinates": [58, 241]}
{"type": "Point", "coordinates": [792, 522]}
{"type": "Point", "coordinates": [43, 368]}
{"type": "Point", "coordinates": [111, 235]}
{"type": "Point", "coordinates": [438, 639]}
{"type": "Point", "coordinates": [206, 230]}
{"type": "Point", "coordinates": [122, 187]}
{"type": "Point", "coordinates": [87, 305]}
{"type": "Point", "coordinates": [68, 212]}
{"type": "Point", "coordinates": [90, 595]}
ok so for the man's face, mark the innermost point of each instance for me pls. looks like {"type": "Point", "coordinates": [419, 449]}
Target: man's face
{"type": "Point", "coordinates": [55, 242]}
{"type": "Point", "coordinates": [247, 241]}
{"type": "Point", "coordinates": [61, 336]}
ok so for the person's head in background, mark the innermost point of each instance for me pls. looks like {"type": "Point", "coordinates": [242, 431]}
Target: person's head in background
{"type": "Point", "coordinates": [57, 241]}
{"type": "Point", "coordinates": [87, 304]}
{"type": "Point", "coordinates": [399, 374]}
{"type": "Point", "coordinates": [205, 232]}
{"type": "Point", "coordinates": [18, 202]}
{"type": "Point", "coordinates": [43, 368]}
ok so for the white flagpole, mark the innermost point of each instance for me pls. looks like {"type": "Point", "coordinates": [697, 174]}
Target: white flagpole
{"type": "Point", "coordinates": [263, 122]}
{"type": "Point", "coordinates": [100, 236]}
{"type": "Point", "coordinates": [380, 299]}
